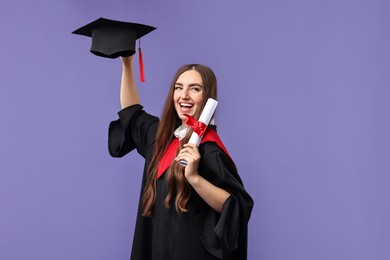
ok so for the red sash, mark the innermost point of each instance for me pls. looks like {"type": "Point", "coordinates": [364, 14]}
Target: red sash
{"type": "Point", "coordinates": [170, 153]}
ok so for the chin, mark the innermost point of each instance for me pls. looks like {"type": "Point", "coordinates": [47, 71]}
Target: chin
{"type": "Point", "coordinates": [183, 117]}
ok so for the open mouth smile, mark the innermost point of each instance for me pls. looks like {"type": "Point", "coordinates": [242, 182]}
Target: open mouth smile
{"type": "Point", "coordinates": [186, 105]}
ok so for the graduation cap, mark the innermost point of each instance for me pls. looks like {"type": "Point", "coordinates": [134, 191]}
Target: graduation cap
{"type": "Point", "coordinates": [111, 39]}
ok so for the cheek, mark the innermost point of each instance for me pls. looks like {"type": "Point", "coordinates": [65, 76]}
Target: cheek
{"type": "Point", "coordinates": [199, 103]}
{"type": "Point", "coordinates": [199, 99]}
{"type": "Point", "coordinates": [175, 97]}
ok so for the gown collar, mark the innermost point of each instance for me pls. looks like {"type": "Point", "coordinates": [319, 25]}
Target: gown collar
{"type": "Point", "coordinates": [171, 151]}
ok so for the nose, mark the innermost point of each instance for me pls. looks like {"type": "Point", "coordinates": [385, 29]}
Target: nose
{"type": "Point", "coordinates": [184, 93]}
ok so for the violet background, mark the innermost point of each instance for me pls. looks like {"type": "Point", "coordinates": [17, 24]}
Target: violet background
{"type": "Point", "coordinates": [304, 111]}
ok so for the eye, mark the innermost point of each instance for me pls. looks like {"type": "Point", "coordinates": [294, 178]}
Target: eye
{"type": "Point", "coordinates": [177, 87]}
{"type": "Point", "coordinates": [196, 89]}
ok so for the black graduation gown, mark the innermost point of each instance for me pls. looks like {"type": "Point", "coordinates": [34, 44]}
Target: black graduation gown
{"type": "Point", "coordinates": [201, 233]}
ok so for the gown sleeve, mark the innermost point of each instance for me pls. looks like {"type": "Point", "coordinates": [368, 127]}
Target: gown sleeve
{"type": "Point", "coordinates": [222, 233]}
{"type": "Point", "coordinates": [134, 129]}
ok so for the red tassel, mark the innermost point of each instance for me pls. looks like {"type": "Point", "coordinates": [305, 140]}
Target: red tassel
{"type": "Point", "coordinates": [141, 66]}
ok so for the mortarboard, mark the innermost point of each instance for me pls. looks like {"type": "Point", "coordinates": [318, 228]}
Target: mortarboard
{"type": "Point", "coordinates": [111, 39]}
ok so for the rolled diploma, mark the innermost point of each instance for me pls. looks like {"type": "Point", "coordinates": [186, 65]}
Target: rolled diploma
{"type": "Point", "coordinates": [205, 118]}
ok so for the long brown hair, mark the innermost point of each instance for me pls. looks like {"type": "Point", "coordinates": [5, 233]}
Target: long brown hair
{"type": "Point", "coordinates": [176, 181]}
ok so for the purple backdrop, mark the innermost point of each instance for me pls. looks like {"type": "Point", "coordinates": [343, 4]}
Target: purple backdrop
{"type": "Point", "coordinates": [304, 89]}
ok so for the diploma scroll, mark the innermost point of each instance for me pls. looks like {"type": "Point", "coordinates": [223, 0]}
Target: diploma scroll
{"type": "Point", "coordinates": [205, 117]}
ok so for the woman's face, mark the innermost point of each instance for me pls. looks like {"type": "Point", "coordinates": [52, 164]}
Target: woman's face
{"type": "Point", "coordinates": [188, 94]}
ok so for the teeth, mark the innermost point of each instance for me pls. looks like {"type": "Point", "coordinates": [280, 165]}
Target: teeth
{"type": "Point", "coordinates": [185, 105]}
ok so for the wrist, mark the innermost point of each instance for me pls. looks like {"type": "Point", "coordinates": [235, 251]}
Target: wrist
{"type": "Point", "coordinates": [127, 61]}
{"type": "Point", "coordinates": [193, 179]}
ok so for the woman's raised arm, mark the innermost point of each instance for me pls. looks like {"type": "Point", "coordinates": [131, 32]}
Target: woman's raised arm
{"type": "Point", "coordinates": [128, 93]}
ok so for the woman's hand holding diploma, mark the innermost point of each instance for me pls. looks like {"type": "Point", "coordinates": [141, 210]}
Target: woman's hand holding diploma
{"type": "Point", "coordinates": [204, 120]}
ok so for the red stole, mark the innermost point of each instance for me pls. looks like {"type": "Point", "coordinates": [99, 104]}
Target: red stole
{"type": "Point", "coordinates": [170, 153]}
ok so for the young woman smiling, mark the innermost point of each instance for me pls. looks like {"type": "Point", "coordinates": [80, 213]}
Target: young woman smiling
{"type": "Point", "coordinates": [200, 211]}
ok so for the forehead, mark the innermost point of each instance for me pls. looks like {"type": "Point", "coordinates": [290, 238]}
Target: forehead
{"type": "Point", "coordinates": [190, 77]}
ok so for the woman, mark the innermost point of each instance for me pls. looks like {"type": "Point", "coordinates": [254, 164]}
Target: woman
{"type": "Point", "coordinates": [199, 211]}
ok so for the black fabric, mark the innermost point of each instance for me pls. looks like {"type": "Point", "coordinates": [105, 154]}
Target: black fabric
{"type": "Point", "coordinates": [111, 38]}
{"type": "Point", "coordinates": [201, 233]}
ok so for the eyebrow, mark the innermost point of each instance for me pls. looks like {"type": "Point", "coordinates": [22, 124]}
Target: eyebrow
{"type": "Point", "coordinates": [191, 85]}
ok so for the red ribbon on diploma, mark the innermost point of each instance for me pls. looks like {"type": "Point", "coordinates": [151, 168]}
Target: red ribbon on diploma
{"type": "Point", "coordinates": [199, 127]}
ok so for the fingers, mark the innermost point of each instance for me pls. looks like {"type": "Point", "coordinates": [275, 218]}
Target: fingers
{"type": "Point", "coordinates": [190, 150]}
{"type": "Point", "coordinates": [190, 145]}
{"type": "Point", "coordinates": [189, 153]}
